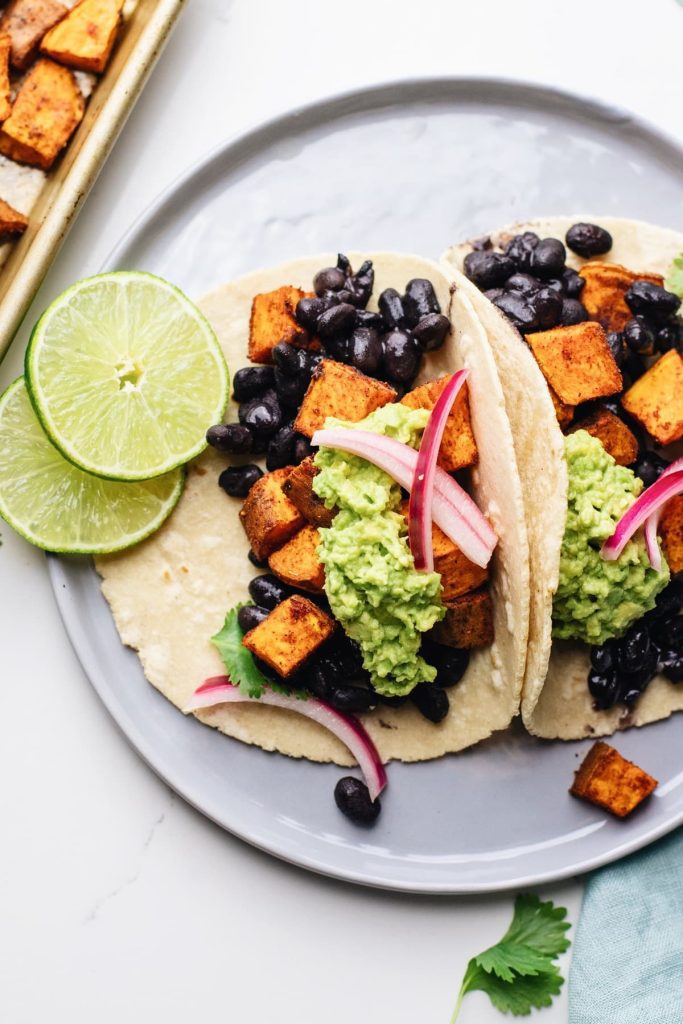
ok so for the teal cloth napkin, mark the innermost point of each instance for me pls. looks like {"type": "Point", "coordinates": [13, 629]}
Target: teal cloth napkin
{"type": "Point", "coordinates": [627, 966]}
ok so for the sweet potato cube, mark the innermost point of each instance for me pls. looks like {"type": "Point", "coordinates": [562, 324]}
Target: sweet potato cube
{"type": "Point", "coordinates": [5, 87]}
{"type": "Point", "coordinates": [458, 574]}
{"type": "Point", "coordinates": [297, 562]}
{"type": "Point", "coordinates": [290, 635]}
{"type": "Point", "coordinates": [656, 400]}
{"type": "Point", "coordinates": [85, 38]}
{"type": "Point", "coordinates": [458, 447]}
{"type": "Point", "coordinates": [272, 321]}
{"type": "Point", "coordinates": [671, 533]}
{"type": "Point", "coordinates": [268, 516]}
{"type": "Point", "coordinates": [48, 108]}
{"type": "Point", "coordinates": [604, 291]}
{"type": "Point", "coordinates": [299, 489]}
{"type": "Point", "coordinates": [26, 22]}
{"type": "Point", "coordinates": [468, 621]}
{"type": "Point", "coordinates": [12, 223]}
{"type": "Point", "coordinates": [576, 361]}
{"type": "Point", "coordinates": [339, 390]}
{"type": "Point", "coordinates": [564, 412]}
{"type": "Point", "coordinates": [607, 779]}
{"type": "Point", "coordinates": [615, 437]}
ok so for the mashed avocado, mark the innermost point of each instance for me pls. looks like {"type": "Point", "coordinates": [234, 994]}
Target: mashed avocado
{"type": "Point", "coordinates": [370, 580]}
{"type": "Point", "coordinates": [597, 599]}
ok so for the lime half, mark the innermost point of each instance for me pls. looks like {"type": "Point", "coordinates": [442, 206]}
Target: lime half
{"type": "Point", "coordinates": [57, 506]}
{"type": "Point", "coordinates": [126, 375]}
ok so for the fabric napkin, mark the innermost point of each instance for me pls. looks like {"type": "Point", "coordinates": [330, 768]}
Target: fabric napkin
{"type": "Point", "coordinates": [627, 966]}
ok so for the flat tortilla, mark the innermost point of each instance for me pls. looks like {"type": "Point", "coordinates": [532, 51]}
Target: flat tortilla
{"type": "Point", "coordinates": [170, 594]}
{"type": "Point", "coordinates": [556, 703]}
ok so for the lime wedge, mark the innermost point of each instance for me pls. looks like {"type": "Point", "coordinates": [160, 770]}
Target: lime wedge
{"type": "Point", "coordinates": [126, 375]}
{"type": "Point", "coordinates": [59, 507]}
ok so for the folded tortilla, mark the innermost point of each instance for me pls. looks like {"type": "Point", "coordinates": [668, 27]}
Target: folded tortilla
{"type": "Point", "coordinates": [556, 703]}
{"type": "Point", "coordinates": [170, 594]}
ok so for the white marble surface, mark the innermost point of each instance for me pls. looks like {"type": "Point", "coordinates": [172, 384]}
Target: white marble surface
{"type": "Point", "coordinates": [117, 901]}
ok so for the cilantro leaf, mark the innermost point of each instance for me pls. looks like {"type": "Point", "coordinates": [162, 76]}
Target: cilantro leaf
{"type": "Point", "coordinates": [674, 279]}
{"type": "Point", "coordinates": [239, 662]}
{"type": "Point", "coordinates": [518, 973]}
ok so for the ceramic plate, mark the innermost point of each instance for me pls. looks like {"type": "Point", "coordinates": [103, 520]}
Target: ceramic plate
{"type": "Point", "coordinates": [412, 166]}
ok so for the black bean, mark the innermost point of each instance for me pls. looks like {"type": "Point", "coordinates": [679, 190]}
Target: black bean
{"type": "Point", "coordinates": [488, 269]}
{"type": "Point", "coordinates": [262, 415]}
{"type": "Point", "coordinates": [651, 301]}
{"type": "Point", "coordinates": [251, 381]}
{"type": "Point", "coordinates": [289, 359]}
{"type": "Point", "coordinates": [430, 332]}
{"type": "Point", "coordinates": [633, 650]}
{"type": "Point", "coordinates": [352, 797]}
{"type": "Point", "coordinates": [260, 563]}
{"type": "Point", "coordinates": [337, 320]}
{"type": "Point", "coordinates": [517, 309]}
{"type": "Point", "coordinates": [338, 348]}
{"type": "Point", "coordinates": [482, 243]}
{"type": "Point", "coordinates": [573, 282]}
{"type": "Point", "coordinates": [603, 688]}
{"type": "Point", "coordinates": [520, 248]}
{"type": "Point", "coordinates": [672, 667]}
{"type": "Point", "coordinates": [547, 306]}
{"type": "Point", "coordinates": [237, 481]}
{"type": "Point", "coordinates": [632, 365]}
{"type": "Point", "coordinates": [667, 633]}
{"type": "Point", "coordinates": [307, 312]}
{"type": "Point", "coordinates": [365, 350]}
{"type": "Point", "coordinates": [450, 662]}
{"type": "Point", "coordinates": [638, 336]}
{"type": "Point", "coordinates": [362, 283]}
{"type": "Point", "coordinates": [351, 698]}
{"type": "Point", "coordinates": [344, 264]}
{"type": "Point", "coordinates": [431, 701]}
{"type": "Point", "coordinates": [330, 279]}
{"type": "Point", "coordinates": [670, 599]}
{"type": "Point", "coordinates": [632, 684]}
{"type": "Point", "coordinates": [267, 670]}
{"type": "Point", "coordinates": [617, 348]}
{"type": "Point", "coordinates": [494, 293]}
{"type": "Point", "coordinates": [588, 240]}
{"type": "Point", "coordinates": [349, 657]}
{"type": "Point", "coordinates": [525, 284]}
{"type": "Point", "coordinates": [670, 336]}
{"type": "Point", "coordinates": [302, 449]}
{"type": "Point", "coordinates": [547, 259]}
{"type": "Point", "coordinates": [290, 390]}
{"type": "Point", "coordinates": [573, 312]}
{"type": "Point", "coordinates": [230, 437]}
{"type": "Point", "coordinates": [368, 318]}
{"type": "Point", "coordinates": [602, 658]}
{"type": "Point", "coordinates": [649, 467]}
{"type": "Point", "coordinates": [391, 307]}
{"type": "Point", "coordinates": [401, 356]}
{"type": "Point", "coordinates": [281, 448]}
{"type": "Point", "coordinates": [268, 591]}
{"type": "Point", "coordinates": [419, 300]}
{"type": "Point", "coordinates": [250, 615]}
{"type": "Point", "coordinates": [347, 295]}
{"type": "Point", "coordinates": [556, 283]}
{"type": "Point", "coordinates": [392, 702]}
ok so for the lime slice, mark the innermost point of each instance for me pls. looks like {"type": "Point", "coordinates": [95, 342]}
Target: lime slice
{"type": "Point", "coordinates": [126, 375]}
{"type": "Point", "coordinates": [59, 507]}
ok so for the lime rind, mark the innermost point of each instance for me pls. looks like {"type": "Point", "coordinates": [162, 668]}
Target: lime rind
{"type": "Point", "coordinates": [127, 394]}
{"type": "Point", "coordinates": [58, 507]}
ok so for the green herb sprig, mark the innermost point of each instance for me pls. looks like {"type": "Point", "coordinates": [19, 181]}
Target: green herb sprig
{"type": "Point", "coordinates": [239, 662]}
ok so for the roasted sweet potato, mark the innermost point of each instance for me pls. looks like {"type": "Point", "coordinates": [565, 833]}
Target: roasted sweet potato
{"type": "Point", "coordinates": [272, 321]}
{"type": "Point", "coordinates": [5, 87]}
{"type": "Point", "coordinates": [48, 108]}
{"type": "Point", "coordinates": [458, 574]}
{"type": "Point", "coordinates": [299, 489]}
{"type": "Point", "coordinates": [576, 361]}
{"type": "Point", "coordinates": [290, 635]}
{"type": "Point", "coordinates": [656, 400]}
{"type": "Point", "coordinates": [615, 437]}
{"type": "Point", "coordinates": [458, 447]}
{"type": "Point", "coordinates": [468, 621]}
{"type": "Point", "coordinates": [604, 291]}
{"type": "Point", "coordinates": [607, 779]}
{"type": "Point", "coordinates": [564, 412]}
{"type": "Point", "coordinates": [12, 223]}
{"type": "Point", "coordinates": [671, 532]}
{"type": "Point", "coordinates": [85, 38]}
{"type": "Point", "coordinates": [297, 562]}
{"type": "Point", "coordinates": [268, 516]}
{"type": "Point", "coordinates": [339, 390]}
{"type": "Point", "coordinates": [26, 22]}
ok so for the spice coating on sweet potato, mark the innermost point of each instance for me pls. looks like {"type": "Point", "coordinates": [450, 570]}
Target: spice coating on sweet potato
{"type": "Point", "coordinates": [468, 621]}
{"type": "Point", "coordinates": [297, 562]}
{"type": "Point", "coordinates": [268, 516]}
{"type": "Point", "coordinates": [5, 87]}
{"type": "Point", "coordinates": [607, 779]}
{"type": "Point", "coordinates": [85, 38]}
{"type": "Point", "coordinates": [564, 412]}
{"type": "Point", "coordinates": [458, 447]}
{"type": "Point", "coordinates": [656, 399]}
{"type": "Point", "coordinates": [671, 533]}
{"type": "Point", "coordinates": [577, 362]}
{"type": "Point", "coordinates": [48, 108]}
{"type": "Point", "coordinates": [12, 222]}
{"type": "Point", "coordinates": [341, 391]}
{"type": "Point", "coordinates": [603, 294]}
{"type": "Point", "coordinates": [272, 321]}
{"type": "Point", "coordinates": [290, 634]}
{"type": "Point", "coordinates": [613, 434]}
{"type": "Point", "coordinates": [26, 22]}
{"type": "Point", "coordinates": [299, 489]}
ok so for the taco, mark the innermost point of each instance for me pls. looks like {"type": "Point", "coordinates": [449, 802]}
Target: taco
{"type": "Point", "coordinates": [169, 595]}
{"type": "Point", "coordinates": [587, 340]}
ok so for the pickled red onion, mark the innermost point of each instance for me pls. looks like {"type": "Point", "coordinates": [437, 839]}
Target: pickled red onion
{"type": "Point", "coordinates": [652, 523]}
{"type": "Point", "coordinates": [647, 506]}
{"type": "Point", "coordinates": [219, 690]}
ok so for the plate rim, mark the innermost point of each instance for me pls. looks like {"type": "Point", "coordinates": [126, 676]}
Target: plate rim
{"type": "Point", "coordinates": [388, 94]}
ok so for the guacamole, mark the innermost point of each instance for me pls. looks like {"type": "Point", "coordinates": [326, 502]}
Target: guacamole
{"type": "Point", "coordinates": [371, 583]}
{"type": "Point", "coordinates": [597, 599]}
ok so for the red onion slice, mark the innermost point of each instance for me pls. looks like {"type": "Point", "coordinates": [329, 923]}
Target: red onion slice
{"type": "Point", "coordinates": [649, 503]}
{"type": "Point", "coordinates": [452, 508]}
{"type": "Point", "coordinates": [422, 491]}
{"type": "Point", "coordinates": [652, 523]}
{"type": "Point", "coordinates": [219, 690]}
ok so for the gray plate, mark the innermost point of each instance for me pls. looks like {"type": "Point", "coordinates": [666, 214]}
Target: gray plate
{"type": "Point", "coordinates": [414, 167]}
